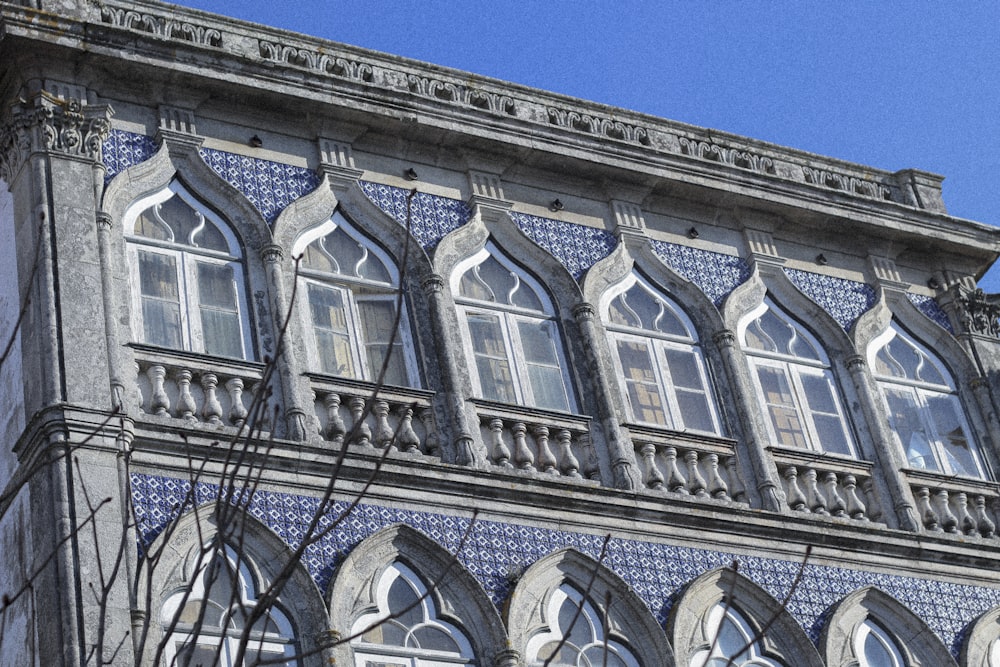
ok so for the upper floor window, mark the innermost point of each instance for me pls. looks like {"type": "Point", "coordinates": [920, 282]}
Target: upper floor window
{"type": "Point", "coordinates": [405, 630]}
{"type": "Point", "coordinates": [351, 288]}
{"type": "Point", "coordinates": [576, 636]}
{"type": "Point", "coordinates": [875, 648]}
{"type": "Point", "coordinates": [793, 375]}
{"type": "Point", "coordinates": [510, 333]}
{"type": "Point", "coordinates": [924, 410]}
{"type": "Point", "coordinates": [659, 359]}
{"type": "Point", "coordinates": [187, 276]}
{"type": "Point", "coordinates": [206, 620]}
{"type": "Point", "coordinates": [733, 642]}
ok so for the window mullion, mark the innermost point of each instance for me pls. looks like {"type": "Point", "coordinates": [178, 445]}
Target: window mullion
{"type": "Point", "coordinates": [187, 290]}
{"type": "Point", "coordinates": [801, 401]}
{"type": "Point", "coordinates": [515, 354]}
{"type": "Point", "coordinates": [668, 389]}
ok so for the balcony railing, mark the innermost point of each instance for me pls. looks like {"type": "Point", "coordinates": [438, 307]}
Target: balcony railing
{"type": "Point", "coordinates": [955, 505]}
{"type": "Point", "coordinates": [827, 484]}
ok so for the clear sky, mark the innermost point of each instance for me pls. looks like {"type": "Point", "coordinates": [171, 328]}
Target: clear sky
{"type": "Point", "coordinates": [893, 85]}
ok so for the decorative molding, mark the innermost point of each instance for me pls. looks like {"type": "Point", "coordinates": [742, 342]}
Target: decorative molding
{"type": "Point", "coordinates": [761, 243]}
{"type": "Point", "coordinates": [486, 185]}
{"type": "Point", "coordinates": [885, 270]}
{"type": "Point", "coordinates": [845, 300]}
{"type": "Point", "coordinates": [577, 247]}
{"type": "Point", "coordinates": [734, 157]}
{"type": "Point", "coordinates": [602, 126]}
{"type": "Point", "coordinates": [326, 63]}
{"type": "Point", "coordinates": [979, 312]}
{"type": "Point", "coordinates": [834, 180]}
{"type": "Point", "coordinates": [716, 274]}
{"type": "Point", "coordinates": [46, 123]}
{"type": "Point", "coordinates": [432, 217]}
{"type": "Point", "coordinates": [175, 119]}
{"type": "Point", "coordinates": [460, 94]}
{"type": "Point", "coordinates": [165, 26]}
{"type": "Point", "coordinates": [628, 216]}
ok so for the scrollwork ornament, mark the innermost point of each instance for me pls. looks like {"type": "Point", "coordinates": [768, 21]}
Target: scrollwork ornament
{"type": "Point", "coordinates": [980, 312]}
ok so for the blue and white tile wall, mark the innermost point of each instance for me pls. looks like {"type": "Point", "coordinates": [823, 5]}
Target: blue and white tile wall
{"type": "Point", "coordinates": [432, 217]}
{"type": "Point", "coordinates": [122, 150]}
{"type": "Point", "coordinates": [496, 553]}
{"type": "Point", "coordinates": [577, 247]}
{"type": "Point", "coordinates": [845, 300]}
{"type": "Point", "coordinates": [929, 307]}
{"type": "Point", "coordinates": [715, 273]}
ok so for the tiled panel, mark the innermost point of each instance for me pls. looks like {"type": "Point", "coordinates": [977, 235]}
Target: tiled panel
{"type": "Point", "coordinates": [496, 552]}
{"type": "Point", "coordinates": [122, 150]}
{"type": "Point", "coordinates": [577, 247]}
{"type": "Point", "coordinates": [432, 217]}
{"type": "Point", "coordinates": [845, 300]}
{"type": "Point", "coordinates": [716, 274]}
{"type": "Point", "coordinates": [929, 307]}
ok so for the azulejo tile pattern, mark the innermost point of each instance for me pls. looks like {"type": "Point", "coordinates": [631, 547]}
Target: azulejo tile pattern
{"type": "Point", "coordinates": [270, 186]}
{"type": "Point", "coordinates": [431, 217]}
{"type": "Point", "coordinates": [122, 150]}
{"type": "Point", "coordinates": [496, 553]}
{"type": "Point", "coordinates": [845, 300]}
{"type": "Point", "coordinates": [577, 247]}
{"type": "Point", "coordinates": [715, 273]}
{"type": "Point", "coordinates": [929, 307]}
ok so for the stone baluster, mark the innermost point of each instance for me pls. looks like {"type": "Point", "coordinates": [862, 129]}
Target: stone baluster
{"type": "Point", "coordinates": [362, 432]}
{"type": "Point", "coordinates": [568, 464]}
{"type": "Point", "coordinates": [696, 483]}
{"type": "Point", "coordinates": [716, 485]}
{"type": "Point", "coordinates": [676, 482]}
{"type": "Point", "coordinates": [854, 507]}
{"type": "Point", "coordinates": [835, 503]}
{"type": "Point", "coordinates": [262, 396]}
{"type": "Point", "coordinates": [139, 400]}
{"type": "Point", "coordinates": [814, 499]}
{"type": "Point", "coordinates": [949, 522]}
{"type": "Point", "coordinates": [186, 407]}
{"type": "Point", "coordinates": [212, 409]}
{"type": "Point", "coordinates": [384, 435]}
{"type": "Point", "coordinates": [237, 411]}
{"type": "Point", "coordinates": [966, 523]}
{"type": "Point", "coordinates": [874, 509]}
{"type": "Point", "coordinates": [591, 469]}
{"type": "Point", "coordinates": [523, 457]}
{"type": "Point", "coordinates": [796, 499]}
{"type": "Point", "coordinates": [499, 451]}
{"type": "Point", "coordinates": [984, 524]}
{"type": "Point", "coordinates": [159, 402]}
{"type": "Point", "coordinates": [927, 513]}
{"type": "Point", "coordinates": [335, 427]}
{"type": "Point", "coordinates": [432, 444]}
{"type": "Point", "coordinates": [736, 486]}
{"type": "Point", "coordinates": [406, 438]}
{"type": "Point", "coordinates": [546, 460]}
{"type": "Point", "coordinates": [653, 478]}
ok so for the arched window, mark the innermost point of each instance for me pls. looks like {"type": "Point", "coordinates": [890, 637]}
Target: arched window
{"type": "Point", "coordinates": [350, 286]}
{"type": "Point", "coordinates": [658, 356]}
{"type": "Point", "coordinates": [733, 642]}
{"type": "Point", "coordinates": [924, 409]}
{"type": "Point", "coordinates": [795, 382]}
{"type": "Point", "coordinates": [405, 630]}
{"type": "Point", "coordinates": [205, 620]}
{"type": "Point", "coordinates": [583, 637]}
{"type": "Point", "coordinates": [875, 648]}
{"type": "Point", "coordinates": [187, 277]}
{"type": "Point", "coordinates": [510, 333]}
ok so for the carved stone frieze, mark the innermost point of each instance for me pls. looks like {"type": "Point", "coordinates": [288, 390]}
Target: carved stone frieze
{"type": "Point", "coordinates": [316, 60]}
{"type": "Point", "coordinates": [600, 126]}
{"type": "Point", "coordinates": [979, 312]}
{"type": "Point", "coordinates": [49, 124]}
{"type": "Point", "coordinates": [735, 157]}
{"type": "Point", "coordinates": [161, 26]}
{"type": "Point", "coordinates": [846, 183]}
{"type": "Point", "coordinates": [464, 95]}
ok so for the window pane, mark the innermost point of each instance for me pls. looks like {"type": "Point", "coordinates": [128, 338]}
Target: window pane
{"type": "Point", "coordinates": [435, 639]}
{"type": "Point", "coordinates": [220, 319]}
{"type": "Point", "coordinates": [329, 318]}
{"type": "Point", "coordinates": [904, 416]}
{"type": "Point", "coordinates": [490, 354]}
{"type": "Point", "coordinates": [377, 318]}
{"type": "Point", "coordinates": [539, 341]}
{"type": "Point", "coordinates": [944, 412]}
{"type": "Point", "coordinates": [687, 377]}
{"type": "Point", "coordinates": [822, 403]}
{"type": "Point", "coordinates": [640, 382]}
{"type": "Point", "coordinates": [781, 407]}
{"type": "Point", "coordinates": [158, 289]}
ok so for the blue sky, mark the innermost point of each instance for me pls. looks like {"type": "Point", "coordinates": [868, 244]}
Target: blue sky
{"type": "Point", "coordinates": [892, 85]}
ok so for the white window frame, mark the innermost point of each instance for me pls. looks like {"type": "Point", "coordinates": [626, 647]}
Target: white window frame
{"type": "Point", "coordinates": [794, 369]}
{"type": "Point", "coordinates": [920, 391]}
{"type": "Point", "coordinates": [869, 628]}
{"type": "Point", "coordinates": [186, 259]}
{"type": "Point", "coordinates": [509, 317]}
{"type": "Point", "coordinates": [713, 655]}
{"type": "Point", "coordinates": [657, 344]}
{"type": "Point", "coordinates": [346, 285]}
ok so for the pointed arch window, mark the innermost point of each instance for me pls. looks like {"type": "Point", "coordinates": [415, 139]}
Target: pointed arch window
{"type": "Point", "coordinates": [658, 356]}
{"type": "Point", "coordinates": [924, 408]}
{"type": "Point", "coordinates": [188, 290]}
{"type": "Point", "coordinates": [792, 374]}
{"type": "Point", "coordinates": [204, 621]}
{"type": "Point", "coordinates": [350, 287]}
{"type": "Point", "coordinates": [510, 333]}
{"type": "Point", "coordinates": [733, 642]}
{"type": "Point", "coordinates": [583, 636]}
{"type": "Point", "coordinates": [406, 629]}
{"type": "Point", "coordinates": [875, 648]}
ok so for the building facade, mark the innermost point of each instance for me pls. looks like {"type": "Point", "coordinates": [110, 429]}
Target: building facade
{"type": "Point", "coordinates": [322, 356]}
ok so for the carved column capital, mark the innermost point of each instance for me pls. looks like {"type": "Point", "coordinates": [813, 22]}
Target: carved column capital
{"type": "Point", "coordinates": [978, 311]}
{"type": "Point", "coordinates": [724, 338]}
{"type": "Point", "coordinates": [432, 284]}
{"type": "Point", "coordinates": [855, 363]}
{"type": "Point", "coordinates": [47, 124]}
{"type": "Point", "coordinates": [584, 311]}
{"type": "Point", "coordinates": [271, 254]}
{"type": "Point", "coordinates": [104, 222]}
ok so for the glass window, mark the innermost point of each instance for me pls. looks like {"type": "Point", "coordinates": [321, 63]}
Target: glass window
{"type": "Point", "coordinates": [924, 409]}
{"type": "Point", "coordinates": [733, 642]}
{"type": "Point", "coordinates": [875, 648]}
{"type": "Point", "coordinates": [511, 335]}
{"type": "Point", "coordinates": [350, 286]}
{"type": "Point", "coordinates": [406, 631]}
{"type": "Point", "coordinates": [575, 636]}
{"type": "Point", "coordinates": [659, 359]}
{"type": "Point", "coordinates": [206, 620]}
{"type": "Point", "coordinates": [796, 384]}
{"type": "Point", "coordinates": [187, 277]}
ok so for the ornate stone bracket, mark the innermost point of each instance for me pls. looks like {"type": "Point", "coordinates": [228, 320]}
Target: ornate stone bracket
{"type": "Point", "coordinates": [979, 312]}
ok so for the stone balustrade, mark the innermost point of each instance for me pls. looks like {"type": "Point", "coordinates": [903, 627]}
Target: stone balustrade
{"type": "Point", "coordinates": [687, 464]}
{"type": "Point", "coordinates": [195, 388]}
{"type": "Point", "coordinates": [533, 440]}
{"type": "Point", "coordinates": [958, 506]}
{"type": "Point", "coordinates": [399, 418]}
{"type": "Point", "coordinates": [827, 484]}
